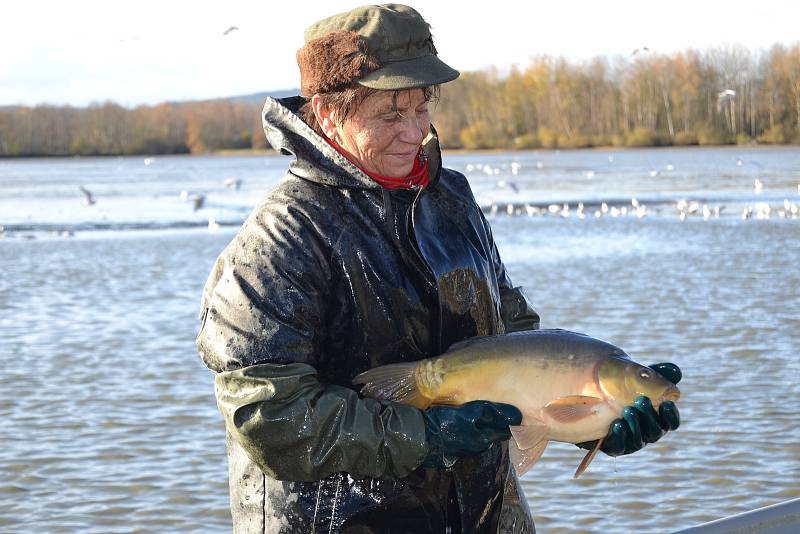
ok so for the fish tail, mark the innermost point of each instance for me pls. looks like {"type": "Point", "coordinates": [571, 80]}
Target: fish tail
{"type": "Point", "coordinates": [395, 382]}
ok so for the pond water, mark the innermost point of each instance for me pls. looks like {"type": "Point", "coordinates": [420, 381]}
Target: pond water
{"type": "Point", "coordinates": [691, 256]}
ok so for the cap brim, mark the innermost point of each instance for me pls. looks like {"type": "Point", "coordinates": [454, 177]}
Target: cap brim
{"type": "Point", "coordinates": [420, 71]}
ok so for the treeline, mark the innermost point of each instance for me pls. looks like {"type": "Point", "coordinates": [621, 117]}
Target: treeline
{"type": "Point", "coordinates": [720, 96]}
{"type": "Point", "coordinates": [110, 129]}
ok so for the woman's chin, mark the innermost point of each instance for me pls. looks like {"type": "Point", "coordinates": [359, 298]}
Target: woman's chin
{"type": "Point", "coordinates": [399, 169]}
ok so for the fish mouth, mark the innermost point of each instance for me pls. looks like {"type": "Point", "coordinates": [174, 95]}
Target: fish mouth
{"type": "Point", "coordinates": [672, 394]}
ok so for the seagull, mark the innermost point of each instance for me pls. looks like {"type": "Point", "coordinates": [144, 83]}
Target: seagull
{"type": "Point", "coordinates": [532, 210]}
{"type": "Point", "coordinates": [213, 225]}
{"type": "Point", "coordinates": [234, 183]}
{"type": "Point", "coordinates": [88, 194]}
{"type": "Point", "coordinates": [724, 97]}
{"type": "Point", "coordinates": [503, 183]}
{"type": "Point", "coordinates": [642, 49]}
{"type": "Point", "coordinates": [758, 186]}
{"type": "Point", "coordinates": [198, 201]}
{"type": "Point", "coordinates": [740, 162]}
{"type": "Point", "coordinates": [230, 30]}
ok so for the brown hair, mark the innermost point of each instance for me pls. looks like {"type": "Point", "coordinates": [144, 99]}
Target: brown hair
{"type": "Point", "coordinates": [344, 102]}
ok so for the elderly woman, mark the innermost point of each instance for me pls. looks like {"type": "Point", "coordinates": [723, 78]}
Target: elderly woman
{"type": "Point", "coordinates": [367, 253]}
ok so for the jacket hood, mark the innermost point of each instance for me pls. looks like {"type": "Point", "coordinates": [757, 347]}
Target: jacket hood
{"type": "Point", "coordinates": [315, 159]}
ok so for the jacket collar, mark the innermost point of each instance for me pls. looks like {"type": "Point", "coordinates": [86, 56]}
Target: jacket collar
{"type": "Point", "coordinates": [315, 159]}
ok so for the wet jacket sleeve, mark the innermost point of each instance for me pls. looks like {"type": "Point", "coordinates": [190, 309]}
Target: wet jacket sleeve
{"type": "Point", "coordinates": [294, 428]}
{"type": "Point", "coordinates": [262, 330]}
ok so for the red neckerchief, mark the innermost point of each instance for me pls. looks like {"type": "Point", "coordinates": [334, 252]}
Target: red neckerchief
{"type": "Point", "coordinates": [418, 177]}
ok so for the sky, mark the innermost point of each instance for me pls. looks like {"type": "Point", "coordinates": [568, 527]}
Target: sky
{"type": "Point", "coordinates": [81, 51]}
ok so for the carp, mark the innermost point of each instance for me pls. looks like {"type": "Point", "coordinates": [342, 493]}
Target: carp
{"type": "Point", "coordinates": [569, 387]}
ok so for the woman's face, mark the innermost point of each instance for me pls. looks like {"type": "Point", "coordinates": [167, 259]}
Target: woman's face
{"type": "Point", "coordinates": [385, 133]}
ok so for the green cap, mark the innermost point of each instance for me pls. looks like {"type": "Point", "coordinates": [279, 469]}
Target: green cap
{"type": "Point", "coordinates": [398, 40]}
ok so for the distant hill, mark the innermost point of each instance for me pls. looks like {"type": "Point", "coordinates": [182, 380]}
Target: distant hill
{"type": "Point", "coordinates": [254, 98]}
{"type": "Point", "coordinates": [258, 98]}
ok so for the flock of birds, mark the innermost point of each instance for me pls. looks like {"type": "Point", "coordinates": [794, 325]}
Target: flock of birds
{"type": "Point", "coordinates": [195, 199]}
{"type": "Point", "coordinates": [684, 208]}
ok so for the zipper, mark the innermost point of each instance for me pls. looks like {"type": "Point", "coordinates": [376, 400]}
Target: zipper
{"type": "Point", "coordinates": [415, 245]}
{"type": "Point", "coordinates": [389, 210]}
{"type": "Point", "coordinates": [432, 280]}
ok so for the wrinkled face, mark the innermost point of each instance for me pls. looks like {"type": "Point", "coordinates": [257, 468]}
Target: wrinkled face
{"type": "Point", "coordinates": [385, 133]}
{"type": "Point", "coordinates": [625, 380]}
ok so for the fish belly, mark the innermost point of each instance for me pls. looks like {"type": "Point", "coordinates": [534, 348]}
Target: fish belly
{"type": "Point", "coordinates": [590, 428]}
{"type": "Point", "coordinates": [530, 384]}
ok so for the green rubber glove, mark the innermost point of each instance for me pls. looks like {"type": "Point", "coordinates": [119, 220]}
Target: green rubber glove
{"type": "Point", "coordinates": [640, 423]}
{"type": "Point", "coordinates": [453, 432]}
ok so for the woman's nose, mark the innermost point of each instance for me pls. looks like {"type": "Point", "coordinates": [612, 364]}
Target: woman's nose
{"type": "Point", "coordinates": [413, 131]}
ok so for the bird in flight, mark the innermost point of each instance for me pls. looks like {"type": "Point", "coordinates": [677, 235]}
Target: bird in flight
{"type": "Point", "coordinates": [642, 49]}
{"type": "Point", "coordinates": [88, 194]}
{"type": "Point", "coordinates": [725, 96]}
{"type": "Point", "coordinates": [230, 30]}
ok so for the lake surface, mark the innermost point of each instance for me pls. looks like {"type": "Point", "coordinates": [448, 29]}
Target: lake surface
{"type": "Point", "coordinates": [107, 416]}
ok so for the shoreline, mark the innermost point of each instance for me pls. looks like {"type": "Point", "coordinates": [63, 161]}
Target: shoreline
{"type": "Point", "coordinates": [255, 152]}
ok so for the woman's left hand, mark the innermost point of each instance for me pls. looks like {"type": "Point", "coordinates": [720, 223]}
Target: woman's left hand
{"type": "Point", "coordinates": [640, 422]}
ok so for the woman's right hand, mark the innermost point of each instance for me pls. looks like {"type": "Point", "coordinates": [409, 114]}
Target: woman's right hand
{"type": "Point", "coordinates": [453, 432]}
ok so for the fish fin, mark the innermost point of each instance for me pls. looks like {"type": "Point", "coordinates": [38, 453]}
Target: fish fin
{"type": "Point", "coordinates": [477, 340]}
{"type": "Point", "coordinates": [529, 434]}
{"type": "Point", "coordinates": [588, 458]}
{"type": "Point", "coordinates": [572, 408]}
{"type": "Point", "coordinates": [522, 460]}
{"type": "Point", "coordinates": [395, 382]}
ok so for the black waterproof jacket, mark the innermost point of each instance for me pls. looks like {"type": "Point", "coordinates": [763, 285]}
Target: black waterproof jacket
{"type": "Point", "coordinates": [330, 276]}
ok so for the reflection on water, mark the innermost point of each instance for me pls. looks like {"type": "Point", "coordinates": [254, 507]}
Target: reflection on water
{"type": "Point", "coordinates": [108, 416]}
